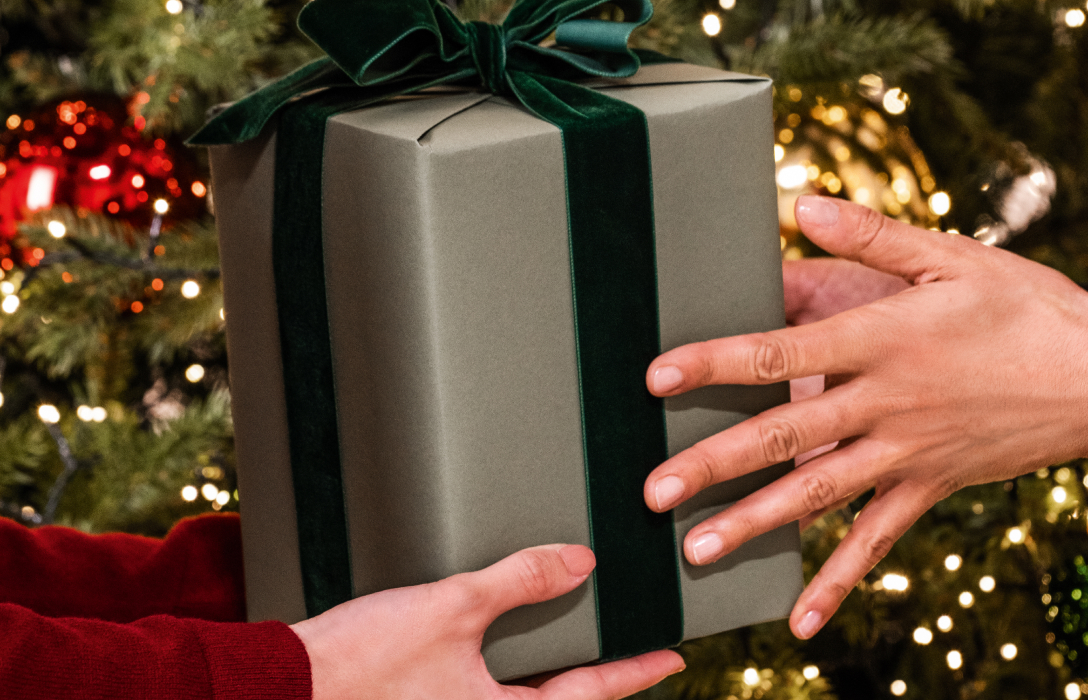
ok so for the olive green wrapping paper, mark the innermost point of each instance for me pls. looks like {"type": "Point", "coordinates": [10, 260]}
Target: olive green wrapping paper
{"type": "Point", "coordinates": [451, 314]}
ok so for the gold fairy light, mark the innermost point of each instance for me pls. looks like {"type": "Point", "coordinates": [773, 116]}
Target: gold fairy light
{"type": "Point", "coordinates": [953, 562]}
{"type": "Point", "coordinates": [944, 623]}
{"type": "Point", "coordinates": [898, 688]}
{"type": "Point", "coordinates": [712, 24]}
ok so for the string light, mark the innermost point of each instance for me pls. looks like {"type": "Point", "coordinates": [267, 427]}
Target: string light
{"type": "Point", "coordinates": [209, 491]}
{"type": "Point", "coordinates": [189, 493]}
{"type": "Point", "coordinates": [49, 414]}
{"type": "Point", "coordinates": [138, 181]}
{"type": "Point", "coordinates": [987, 584]}
{"type": "Point", "coordinates": [792, 177]}
{"type": "Point", "coordinates": [810, 673]}
{"type": "Point", "coordinates": [190, 290]}
{"type": "Point", "coordinates": [195, 373]}
{"type": "Point", "coordinates": [898, 688]}
{"type": "Point", "coordinates": [223, 498]}
{"type": "Point", "coordinates": [779, 153]}
{"type": "Point", "coordinates": [923, 636]}
{"type": "Point", "coordinates": [967, 599]}
{"type": "Point", "coordinates": [57, 229]}
{"type": "Point", "coordinates": [7, 287]}
{"type": "Point", "coordinates": [14, 121]}
{"type": "Point", "coordinates": [954, 659]}
{"type": "Point", "coordinates": [1008, 652]}
{"type": "Point", "coordinates": [953, 562]}
{"type": "Point", "coordinates": [727, 4]}
{"type": "Point", "coordinates": [944, 623]}
{"type": "Point", "coordinates": [712, 25]}
{"type": "Point", "coordinates": [940, 203]}
{"type": "Point", "coordinates": [1, 399]}
{"type": "Point", "coordinates": [895, 582]}
{"type": "Point", "coordinates": [85, 414]}
{"type": "Point", "coordinates": [1015, 535]}
{"type": "Point", "coordinates": [99, 414]}
{"type": "Point", "coordinates": [1074, 18]}
{"type": "Point", "coordinates": [1058, 494]}
{"type": "Point", "coordinates": [895, 101]}
{"type": "Point", "coordinates": [1072, 692]}
{"type": "Point", "coordinates": [10, 304]}
{"type": "Point", "coordinates": [751, 676]}
{"type": "Point", "coordinates": [174, 7]}
{"type": "Point", "coordinates": [100, 172]}
{"type": "Point", "coordinates": [161, 206]}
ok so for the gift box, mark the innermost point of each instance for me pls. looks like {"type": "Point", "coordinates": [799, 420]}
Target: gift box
{"type": "Point", "coordinates": [462, 418]}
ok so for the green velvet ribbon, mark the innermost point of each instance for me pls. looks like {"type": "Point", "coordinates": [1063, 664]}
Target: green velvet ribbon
{"type": "Point", "coordinates": [381, 48]}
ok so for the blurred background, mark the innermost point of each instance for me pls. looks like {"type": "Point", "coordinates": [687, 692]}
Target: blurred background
{"type": "Point", "coordinates": [965, 116]}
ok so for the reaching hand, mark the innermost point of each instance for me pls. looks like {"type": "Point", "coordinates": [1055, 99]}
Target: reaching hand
{"type": "Point", "coordinates": [977, 372]}
{"type": "Point", "coordinates": [423, 643]}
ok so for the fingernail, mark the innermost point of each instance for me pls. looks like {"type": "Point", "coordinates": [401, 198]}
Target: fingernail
{"type": "Point", "coordinates": [809, 624]}
{"type": "Point", "coordinates": [706, 547]}
{"type": "Point", "coordinates": [818, 211]}
{"type": "Point", "coordinates": [667, 379]}
{"type": "Point", "coordinates": [579, 560]}
{"type": "Point", "coordinates": [667, 492]}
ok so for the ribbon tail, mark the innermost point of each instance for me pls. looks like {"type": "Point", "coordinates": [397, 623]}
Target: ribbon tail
{"type": "Point", "coordinates": [614, 271]}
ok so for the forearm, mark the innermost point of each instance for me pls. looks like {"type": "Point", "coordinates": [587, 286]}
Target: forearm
{"type": "Point", "coordinates": [161, 657]}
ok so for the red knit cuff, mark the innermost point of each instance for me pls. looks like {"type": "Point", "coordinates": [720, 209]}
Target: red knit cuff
{"type": "Point", "coordinates": [259, 661]}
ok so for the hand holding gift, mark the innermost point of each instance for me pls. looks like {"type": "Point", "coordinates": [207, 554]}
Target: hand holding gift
{"type": "Point", "coordinates": [424, 641]}
{"type": "Point", "coordinates": [935, 388]}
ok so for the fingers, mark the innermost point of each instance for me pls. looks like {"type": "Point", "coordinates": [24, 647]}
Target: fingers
{"type": "Point", "coordinates": [883, 521]}
{"type": "Point", "coordinates": [527, 577]}
{"type": "Point", "coordinates": [839, 345]}
{"type": "Point", "coordinates": [858, 233]}
{"type": "Point", "coordinates": [772, 437]}
{"type": "Point", "coordinates": [815, 487]}
{"type": "Point", "coordinates": [614, 680]}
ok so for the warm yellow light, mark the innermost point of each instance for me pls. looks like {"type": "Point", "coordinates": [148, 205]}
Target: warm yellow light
{"type": "Point", "coordinates": [222, 314]}
{"type": "Point", "coordinates": [195, 373]}
{"type": "Point", "coordinates": [9, 288]}
{"type": "Point", "coordinates": [1015, 535]}
{"type": "Point", "coordinates": [896, 101]}
{"type": "Point", "coordinates": [923, 636]}
{"type": "Point", "coordinates": [1008, 652]}
{"type": "Point", "coordinates": [727, 4]}
{"type": "Point", "coordinates": [861, 195]}
{"type": "Point", "coordinates": [987, 584]}
{"type": "Point", "coordinates": [190, 290]}
{"type": "Point", "coordinates": [161, 206]}
{"type": "Point", "coordinates": [898, 688]}
{"type": "Point", "coordinates": [944, 623]}
{"type": "Point", "coordinates": [712, 24]}
{"type": "Point", "coordinates": [174, 7]}
{"type": "Point", "coordinates": [210, 491]}
{"type": "Point", "coordinates": [895, 582]}
{"type": "Point", "coordinates": [10, 304]}
{"type": "Point", "coordinates": [1, 399]}
{"type": "Point", "coordinates": [1074, 18]}
{"type": "Point", "coordinates": [223, 498]}
{"type": "Point", "coordinates": [792, 177]}
{"type": "Point", "coordinates": [189, 493]}
{"type": "Point", "coordinates": [779, 153]}
{"type": "Point", "coordinates": [1059, 494]}
{"type": "Point", "coordinates": [85, 414]}
{"type": "Point", "coordinates": [842, 154]}
{"type": "Point", "coordinates": [967, 599]}
{"type": "Point", "coordinates": [940, 203]}
{"type": "Point", "coordinates": [810, 672]}
{"type": "Point", "coordinates": [57, 229]}
{"type": "Point", "coordinates": [99, 414]}
{"type": "Point", "coordinates": [955, 659]}
{"type": "Point", "coordinates": [14, 121]}
{"type": "Point", "coordinates": [751, 676]}
{"type": "Point", "coordinates": [836, 114]}
{"type": "Point", "coordinates": [1072, 692]}
{"type": "Point", "coordinates": [48, 413]}
{"type": "Point", "coordinates": [953, 562]}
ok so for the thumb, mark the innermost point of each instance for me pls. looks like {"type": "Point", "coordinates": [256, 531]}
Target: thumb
{"type": "Point", "coordinates": [527, 577]}
{"type": "Point", "coordinates": [858, 233]}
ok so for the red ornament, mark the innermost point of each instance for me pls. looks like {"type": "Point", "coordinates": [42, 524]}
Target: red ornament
{"type": "Point", "coordinates": [88, 153]}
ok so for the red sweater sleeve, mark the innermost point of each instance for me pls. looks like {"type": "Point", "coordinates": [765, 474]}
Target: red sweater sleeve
{"type": "Point", "coordinates": [60, 572]}
{"type": "Point", "coordinates": [160, 658]}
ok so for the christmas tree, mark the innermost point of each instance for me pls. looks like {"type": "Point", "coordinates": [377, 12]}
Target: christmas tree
{"type": "Point", "coordinates": [967, 116]}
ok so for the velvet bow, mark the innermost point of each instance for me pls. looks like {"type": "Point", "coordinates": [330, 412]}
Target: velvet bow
{"type": "Point", "coordinates": [392, 47]}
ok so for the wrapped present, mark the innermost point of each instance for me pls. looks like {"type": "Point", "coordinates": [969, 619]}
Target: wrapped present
{"type": "Point", "coordinates": [450, 254]}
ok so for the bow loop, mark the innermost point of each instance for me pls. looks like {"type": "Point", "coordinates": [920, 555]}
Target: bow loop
{"type": "Point", "coordinates": [487, 44]}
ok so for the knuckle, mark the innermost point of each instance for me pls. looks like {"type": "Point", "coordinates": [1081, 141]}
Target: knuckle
{"type": "Point", "coordinates": [772, 359]}
{"type": "Point", "coordinates": [460, 595]}
{"type": "Point", "coordinates": [780, 440]}
{"type": "Point", "coordinates": [877, 547]}
{"type": "Point", "coordinates": [838, 590]}
{"type": "Point", "coordinates": [818, 492]}
{"type": "Point", "coordinates": [534, 575]}
{"type": "Point", "coordinates": [871, 226]}
{"type": "Point", "coordinates": [702, 466]}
